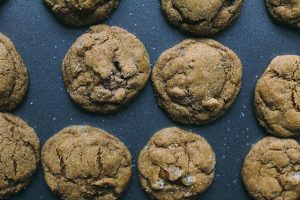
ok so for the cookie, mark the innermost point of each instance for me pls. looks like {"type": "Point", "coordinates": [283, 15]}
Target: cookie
{"type": "Point", "coordinates": [202, 18]}
{"type": "Point", "coordinates": [13, 76]}
{"type": "Point", "coordinates": [81, 12]}
{"type": "Point", "coordinates": [197, 80]}
{"type": "Point", "coordinates": [277, 96]}
{"type": "Point", "coordinates": [285, 11]}
{"type": "Point", "coordinates": [176, 165]}
{"type": "Point", "coordinates": [82, 162]}
{"type": "Point", "coordinates": [105, 69]}
{"type": "Point", "coordinates": [271, 169]}
{"type": "Point", "coordinates": [19, 153]}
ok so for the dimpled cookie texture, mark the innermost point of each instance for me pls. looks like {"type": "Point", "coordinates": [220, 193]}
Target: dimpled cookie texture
{"type": "Point", "coordinates": [19, 154]}
{"type": "Point", "coordinates": [271, 169]}
{"type": "Point", "coordinates": [105, 69]}
{"type": "Point", "coordinates": [277, 96]}
{"type": "Point", "coordinates": [81, 12]}
{"type": "Point", "coordinates": [205, 17]}
{"type": "Point", "coordinates": [197, 80]}
{"type": "Point", "coordinates": [176, 165]}
{"type": "Point", "coordinates": [285, 11]}
{"type": "Point", "coordinates": [83, 163]}
{"type": "Point", "coordinates": [13, 76]}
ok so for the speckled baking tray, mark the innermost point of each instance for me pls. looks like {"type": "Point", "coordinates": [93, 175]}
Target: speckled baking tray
{"type": "Point", "coordinates": [43, 41]}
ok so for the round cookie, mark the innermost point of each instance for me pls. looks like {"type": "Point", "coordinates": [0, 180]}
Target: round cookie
{"type": "Point", "coordinates": [203, 18]}
{"type": "Point", "coordinates": [271, 169]}
{"type": "Point", "coordinates": [176, 165]}
{"type": "Point", "coordinates": [197, 80]}
{"type": "Point", "coordinates": [19, 153]}
{"type": "Point", "coordinates": [13, 76]}
{"type": "Point", "coordinates": [105, 69]}
{"type": "Point", "coordinates": [81, 12]}
{"type": "Point", "coordinates": [82, 162]}
{"type": "Point", "coordinates": [285, 11]}
{"type": "Point", "coordinates": [277, 97]}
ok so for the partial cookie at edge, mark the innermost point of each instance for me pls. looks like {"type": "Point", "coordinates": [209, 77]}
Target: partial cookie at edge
{"type": "Point", "coordinates": [287, 11]}
{"type": "Point", "coordinates": [202, 18]}
{"type": "Point", "coordinates": [13, 76]}
{"type": "Point", "coordinates": [82, 12]}
{"type": "Point", "coordinates": [19, 153]}
{"type": "Point", "coordinates": [277, 96]}
{"type": "Point", "coordinates": [271, 170]}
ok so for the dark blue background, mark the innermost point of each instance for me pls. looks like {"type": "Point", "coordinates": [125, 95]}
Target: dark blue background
{"type": "Point", "coordinates": [43, 41]}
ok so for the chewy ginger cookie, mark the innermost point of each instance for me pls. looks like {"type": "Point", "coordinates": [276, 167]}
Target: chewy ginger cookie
{"type": "Point", "coordinates": [19, 154]}
{"type": "Point", "coordinates": [81, 12]}
{"type": "Point", "coordinates": [176, 165]}
{"type": "Point", "coordinates": [197, 80]}
{"type": "Point", "coordinates": [105, 69]}
{"type": "Point", "coordinates": [205, 17]}
{"type": "Point", "coordinates": [285, 11]}
{"type": "Point", "coordinates": [271, 169]}
{"type": "Point", "coordinates": [82, 162]}
{"type": "Point", "coordinates": [13, 76]}
{"type": "Point", "coordinates": [277, 96]}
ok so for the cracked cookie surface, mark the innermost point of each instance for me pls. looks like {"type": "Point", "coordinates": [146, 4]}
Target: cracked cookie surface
{"type": "Point", "coordinates": [197, 80]}
{"type": "Point", "coordinates": [81, 12]}
{"type": "Point", "coordinates": [205, 17]}
{"type": "Point", "coordinates": [176, 165]}
{"type": "Point", "coordinates": [285, 11]}
{"type": "Point", "coordinates": [13, 76]}
{"type": "Point", "coordinates": [82, 162]}
{"type": "Point", "coordinates": [271, 170]}
{"type": "Point", "coordinates": [277, 96]}
{"type": "Point", "coordinates": [105, 69]}
{"type": "Point", "coordinates": [19, 154]}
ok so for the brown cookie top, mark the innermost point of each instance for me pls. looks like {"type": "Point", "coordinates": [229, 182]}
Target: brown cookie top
{"type": "Point", "coordinates": [82, 162]}
{"type": "Point", "coordinates": [176, 165]}
{"type": "Point", "coordinates": [277, 96]}
{"type": "Point", "coordinates": [19, 154]}
{"type": "Point", "coordinates": [197, 80]}
{"type": "Point", "coordinates": [285, 11]}
{"type": "Point", "coordinates": [271, 169]}
{"type": "Point", "coordinates": [13, 76]}
{"type": "Point", "coordinates": [205, 17]}
{"type": "Point", "coordinates": [105, 69]}
{"type": "Point", "coordinates": [81, 12]}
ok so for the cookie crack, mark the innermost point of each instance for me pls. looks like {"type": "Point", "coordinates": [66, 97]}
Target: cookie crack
{"type": "Point", "coordinates": [117, 79]}
{"type": "Point", "coordinates": [177, 181]}
{"type": "Point", "coordinates": [83, 13]}
{"type": "Point", "coordinates": [265, 121]}
{"type": "Point", "coordinates": [193, 105]}
{"type": "Point", "coordinates": [279, 171]}
{"type": "Point", "coordinates": [212, 23]}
